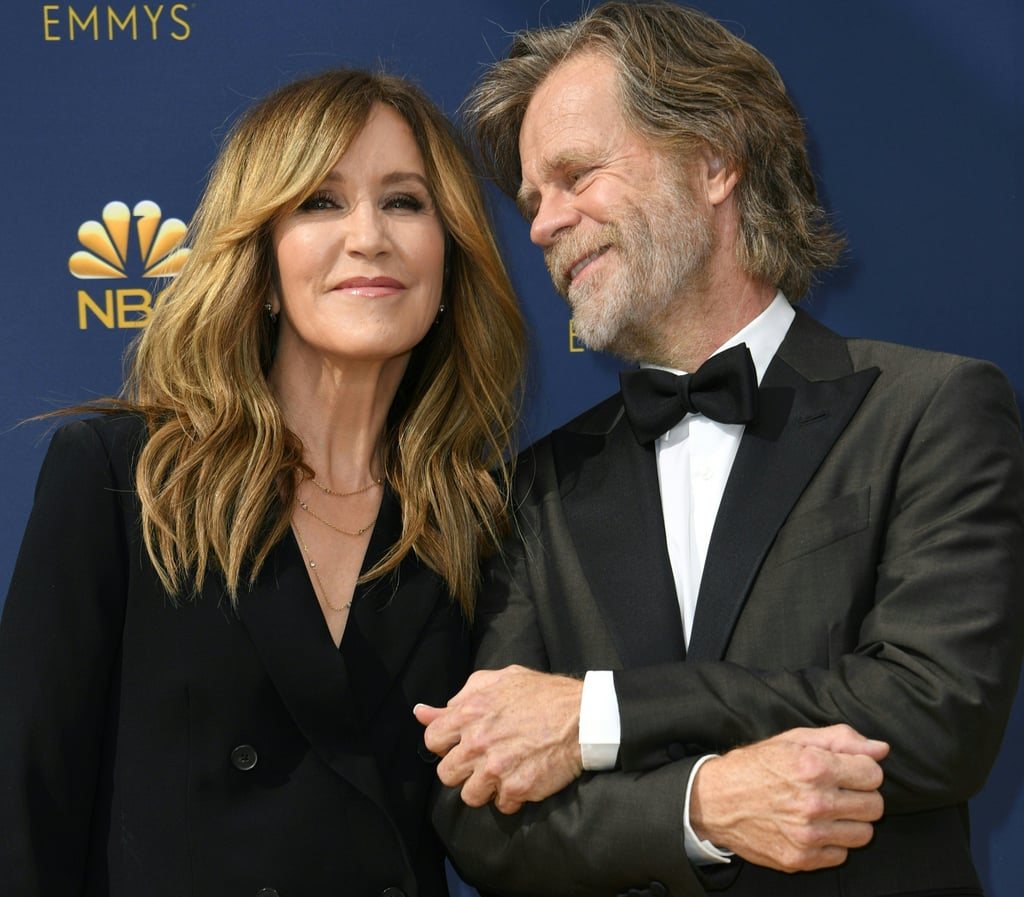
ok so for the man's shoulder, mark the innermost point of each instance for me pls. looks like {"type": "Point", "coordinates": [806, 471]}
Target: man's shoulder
{"type": "Point", "coordinates": [596, 421]}
{"type": "Point", "coordinates": [543, 463]}
{"type": "Point", "coordinates": [811, 338]}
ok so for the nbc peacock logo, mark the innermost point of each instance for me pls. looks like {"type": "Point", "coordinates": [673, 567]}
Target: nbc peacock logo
{"type": "Point", "coordinates": [107, 254]}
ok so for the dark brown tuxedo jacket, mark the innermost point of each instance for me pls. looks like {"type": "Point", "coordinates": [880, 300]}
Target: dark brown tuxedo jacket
{"type": "Point", "coordinates": [866, 566]}
{"type": "Point", "coordinates": [148, 749]}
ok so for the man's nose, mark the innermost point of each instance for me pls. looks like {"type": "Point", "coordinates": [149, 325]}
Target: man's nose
{"type": "Point", "coordinates": [554, 213]}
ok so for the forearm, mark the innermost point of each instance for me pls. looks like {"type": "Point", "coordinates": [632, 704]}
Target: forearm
{"type": "Point", "coordinates": [604, 834]}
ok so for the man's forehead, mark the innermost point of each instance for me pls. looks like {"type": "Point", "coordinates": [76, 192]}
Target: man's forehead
{"type": "Point", "coordinates": [572, 114]}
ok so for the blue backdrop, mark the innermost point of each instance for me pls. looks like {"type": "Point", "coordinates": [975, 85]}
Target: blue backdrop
{"type": "Point", "coordinates": [915, 121]}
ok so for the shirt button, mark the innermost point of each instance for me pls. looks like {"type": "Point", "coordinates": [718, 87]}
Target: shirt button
{"type": "Point", "coordinates": [244, 757]}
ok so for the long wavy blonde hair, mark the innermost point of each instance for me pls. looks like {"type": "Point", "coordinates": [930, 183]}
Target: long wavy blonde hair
{"type": "Point", "coordinates": [218, 473]}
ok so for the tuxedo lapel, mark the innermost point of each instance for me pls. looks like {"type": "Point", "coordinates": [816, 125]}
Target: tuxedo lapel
{"type": "Point", "coordinates": [800, 417]}
{"type": "Point", "coordinates": [609, 487]}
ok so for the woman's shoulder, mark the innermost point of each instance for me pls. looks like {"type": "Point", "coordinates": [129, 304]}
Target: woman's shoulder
{"type": "Point", "coordinates": [116, 435]}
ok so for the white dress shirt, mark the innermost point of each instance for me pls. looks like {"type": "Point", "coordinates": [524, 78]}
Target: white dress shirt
{"type": "Point", "coordinates": [694, 461]}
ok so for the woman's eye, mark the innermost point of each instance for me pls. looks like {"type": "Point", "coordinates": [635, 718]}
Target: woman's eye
{"type": "Point", "coordinates": [404, 202]}
{"type": "Point", "coordinates": [318, 201]}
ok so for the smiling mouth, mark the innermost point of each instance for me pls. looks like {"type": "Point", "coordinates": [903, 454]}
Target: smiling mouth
{"type": "Point", "coordinates": [358, 283]}
{"type": "Point", "coordinates": [583, 262]}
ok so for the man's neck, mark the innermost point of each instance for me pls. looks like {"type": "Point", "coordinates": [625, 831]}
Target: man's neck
{"type": "Point", "coordinates": [690, 330]}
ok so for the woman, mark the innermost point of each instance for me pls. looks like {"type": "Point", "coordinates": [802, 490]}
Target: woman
{"type": "Point", "coordinates": [237, 582]}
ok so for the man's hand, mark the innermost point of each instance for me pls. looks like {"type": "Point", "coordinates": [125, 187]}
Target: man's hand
{"type": "Point", "coordinates": [510, 735]}
{"type": "Point", "coordinates": [795, 802]}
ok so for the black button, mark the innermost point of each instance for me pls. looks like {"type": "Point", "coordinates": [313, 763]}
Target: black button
{"type": "Point", "coordinates": [676, 751]}
{"type": "Point", "coordinates": [244, 757]}
{"type": "Point", "coordinates": [392, 892]}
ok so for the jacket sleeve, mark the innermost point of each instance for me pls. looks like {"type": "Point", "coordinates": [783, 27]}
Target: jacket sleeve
{"type": "Point", "coordinates": [59, 643]}
{"type": "Point", "coordinates": [933, 662]}
{"type": "Point", "coordinates": [606, 834]}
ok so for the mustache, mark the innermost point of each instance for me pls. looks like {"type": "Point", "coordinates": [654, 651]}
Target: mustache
{"type": "Point", "coordinates": [570, 247]}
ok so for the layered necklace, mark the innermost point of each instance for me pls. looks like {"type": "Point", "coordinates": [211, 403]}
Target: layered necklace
{"type": "Point", "coordinates": [305, 548]}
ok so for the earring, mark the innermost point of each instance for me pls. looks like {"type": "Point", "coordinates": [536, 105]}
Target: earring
{"type": "Point", "coordinates": [270, 313]}
{"type": "Point", "coordinates": [440, 313]}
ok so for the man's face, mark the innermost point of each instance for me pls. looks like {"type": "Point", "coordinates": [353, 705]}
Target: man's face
{"type": "Point", "coordinates": [623, 235]}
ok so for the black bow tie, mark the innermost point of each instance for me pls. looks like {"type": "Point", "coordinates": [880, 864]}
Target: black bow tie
{"type": "Point", "coordinates": [724, 388]}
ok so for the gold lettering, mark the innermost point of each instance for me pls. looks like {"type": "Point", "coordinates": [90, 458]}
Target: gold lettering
{"type": "Point", "coordinates": [574, 346]}
{"type": "Point", "coordinates": [86, 304]}
{"type": "Point", "coordinates": [49, 20]}
{"type": "Point", "coordinates": [129, 19]}
{"type": "Point", "coordinates": [134, 314]}
{"type": "Point", "coordinates": [182, 8]}
{"type": "Point", "coordinates": [153, 17]}
{"type": "Point", "coordinates": [91, 19]}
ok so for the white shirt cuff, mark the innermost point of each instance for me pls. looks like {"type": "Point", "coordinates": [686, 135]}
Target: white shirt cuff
{"type": "Point", "coordinates": [698, 851]}
{"type": "Point", "coordinates": [600, 729]}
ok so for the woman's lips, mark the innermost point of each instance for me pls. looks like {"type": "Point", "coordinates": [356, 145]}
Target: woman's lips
{"type": "Point", "coordinates": [371, 286]}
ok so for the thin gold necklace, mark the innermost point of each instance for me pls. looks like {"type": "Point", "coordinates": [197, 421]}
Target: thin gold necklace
{"type": "Point", "coordinates": [316, 573]}
{"type": "Point", "coordinates": [337, 529]}
{"type": "Point", "coordinates": [328, 491]}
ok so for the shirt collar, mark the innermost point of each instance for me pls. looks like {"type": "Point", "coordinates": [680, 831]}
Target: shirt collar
{"type": "Point", "coordinates": [764, 334]}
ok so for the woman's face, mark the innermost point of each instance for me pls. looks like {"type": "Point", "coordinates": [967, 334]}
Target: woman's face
{"type": "Point", "coordinates": [361, 262]}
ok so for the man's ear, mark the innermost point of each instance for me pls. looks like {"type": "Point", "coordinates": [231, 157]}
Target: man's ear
{"type": "Point", "coordinates": [720, 176]}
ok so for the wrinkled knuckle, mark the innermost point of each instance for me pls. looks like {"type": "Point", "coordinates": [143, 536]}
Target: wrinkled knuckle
{"type": "Point", "coordinates": [805, 838]}
{"type": "Point", "coordinates": [473, 798]}
{"type": "Point", "coordinates": [473, 743]}
{"type": "Point", "coordinates": [495, 766]}
{"type": "Point", "coordinates": [814, 805]}
{"type": "Point", "coordinates": [793, 859]}
{"type": "Point", "coordinates": [516, 791]}
{"type": "Point", "coordinates": [812, 765]}
{"type": "Point", "coordinates": [447, 778]}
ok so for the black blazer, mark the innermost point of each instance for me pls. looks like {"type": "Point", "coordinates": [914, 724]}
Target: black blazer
{"type": "Point", "coordinates": [866, 566]}
{"type": "Point", "coordinates": [153, 749]}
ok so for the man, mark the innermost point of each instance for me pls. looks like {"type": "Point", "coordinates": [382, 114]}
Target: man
{"type": "Point", "coordinates": [835, 537]}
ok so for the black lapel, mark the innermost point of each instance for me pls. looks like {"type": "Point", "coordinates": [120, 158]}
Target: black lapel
{"type": "Point", "coordinates": [324, 691]}
{"type": "Point", "coordinates": [388, 617]}
{"type": "Point", "coordinates": [800, 417]}
{"type": "Point", "coordinates": [612, 506]}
